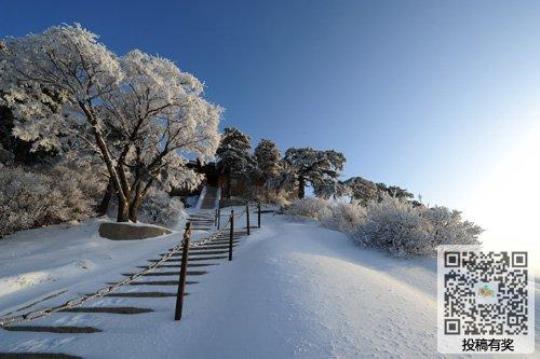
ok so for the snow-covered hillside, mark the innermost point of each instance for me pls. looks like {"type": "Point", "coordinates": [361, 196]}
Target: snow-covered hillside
{"type": "Point", "coordinates": [66, 260]}
{"type": "Point", "coordinates": [294, 289]}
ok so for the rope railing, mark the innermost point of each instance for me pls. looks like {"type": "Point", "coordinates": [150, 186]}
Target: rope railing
{"type": "Point", "coordinates": [36, 314]}
{"type": "Point", "coordinates": [32, 315]}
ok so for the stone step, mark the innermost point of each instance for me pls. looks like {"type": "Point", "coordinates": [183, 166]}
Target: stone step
{"type": "Point", "coordinates": [110, 310]}
{"type": "Point", "coordinates": [160, 282]}
{"type": "Point", "coordinates": [52, 329]}
{"type": "Point", "coordinates": [221, 251]}
{"type": "Point", "coordinates": [225, 242]}
{"type": "Point", "coordinates": [205, 253]}
{"type": "Point", "coordinates": [28, 355]}
{"type": "Point", "coordinates": [191, 259]}
{"type": "Point", "coordinates": [203, 258]}
{"type": "Point", "coordinates": [193, 265]}
{"type": "Point", "coordinates": [159, 274]}
{"type": "Point", "coordinates": [220, 247]}
{"type": "Point", "coordinates": [191, 256]}
{"type": "Point", "coordinates": [142, 294]}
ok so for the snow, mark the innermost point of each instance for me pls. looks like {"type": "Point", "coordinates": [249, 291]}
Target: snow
{"type": "Point", "coordinates": [200, 199]}
{"type": "Point", "coordinates": [67, 257]}
{"type": "Point", "coordinates": [192, 201]}
{"type": "Point", "coordinates": [294, 289]}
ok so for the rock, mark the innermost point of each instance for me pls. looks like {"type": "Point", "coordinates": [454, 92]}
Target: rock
{"type": "Point", "coordinates": [127, 231]}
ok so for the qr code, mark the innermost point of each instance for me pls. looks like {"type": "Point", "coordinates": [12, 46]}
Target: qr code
{"type": "Point", "coordinates": [485, 301]}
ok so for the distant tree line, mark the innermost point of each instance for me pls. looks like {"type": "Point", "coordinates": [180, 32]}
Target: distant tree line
{"type": "Point", "coordinates": [268, 174]}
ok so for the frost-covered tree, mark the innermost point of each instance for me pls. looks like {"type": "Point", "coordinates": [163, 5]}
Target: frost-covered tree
{"type": "Point", "coordinates": [321, 169]}
{"type": "Point", "coordinates": [267, 158]}
{"type": "Point", "coordinates": [234, 159]}
{"type": "Point", "coordinates": [362, 190]}
{"type": "Point", "coordinates": [138, 113]}
{"type": "Point", "coordinates": [13, 150]}
{"type": "Point", "coordinates": [398, 192]}
{"type": "Point", "coordinates": [325, 189]}
{"type": "Point", "coordinates": [393, 191]}
{"type": "Point", "coordinates": [158, 114]}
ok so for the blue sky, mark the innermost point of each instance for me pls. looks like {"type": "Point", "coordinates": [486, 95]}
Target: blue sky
{"type": "Point", "coordinates": [429, 95]}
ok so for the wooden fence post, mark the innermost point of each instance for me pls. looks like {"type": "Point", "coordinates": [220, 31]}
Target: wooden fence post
{"type": "Point", "coordinates": [183, 273]}
{"type": "Point", "coordinates": [247, 217]}
{"type": "Point", "coordinates": [231, 235]}
{"type": "Point", "coordinates": [258, 214]}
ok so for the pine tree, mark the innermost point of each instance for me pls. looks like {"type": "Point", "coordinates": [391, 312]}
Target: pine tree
{"type": "Point", "coordinates": [234, 159]}
{"type": "Point", "coordinates": [321, 169]}
{"type": "Point", "coordinates": [362, 189]}
{"type": "Point", "coordinates": [398, 192]}
{"type": "Point", "coordinates": [267, 157]}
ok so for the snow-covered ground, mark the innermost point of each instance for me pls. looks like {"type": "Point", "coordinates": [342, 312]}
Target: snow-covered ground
{"type": "Point", "coordinates": [294, 289]}
{"type": "Point", "coordinates": [68, 259]}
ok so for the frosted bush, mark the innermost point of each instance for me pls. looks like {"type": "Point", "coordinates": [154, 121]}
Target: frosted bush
{"type": "Point", "coordinates": [346, 217]}
{"type": "Point", "coordinates": [343, 217]}
{"type": "Point", "coordinates": [315, 208]}
{"type": "Point", "coordinates": [31, 199]}
{"type": "Point", "coordinates": [84, 181]}
{"type": "Point", "coordinates": [401, 228]}
{"type": "Point", "coordinates": [160, 208]}
{"type": "Point", "coordinates": [394, 225]}
{"type": "Point", "coordinates": [448, 227]}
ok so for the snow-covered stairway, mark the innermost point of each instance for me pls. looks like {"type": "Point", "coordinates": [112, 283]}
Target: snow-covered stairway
{"type": "Point", "coordinates": [152, 292]}
{"type": "Point", "coordinates": [210, 198]}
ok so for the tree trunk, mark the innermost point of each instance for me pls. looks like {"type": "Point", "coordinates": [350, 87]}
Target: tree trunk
{"type": "Point", "coordinates": [104, 205]}
{"type": "Point", "coordinates": [134, 207]}
{"type": "Point", "coordinates": [107, 158]}
{"type": "Point", "coordinates": [301, 185]}
{"type": "Point", "coordinates": [123, 213]}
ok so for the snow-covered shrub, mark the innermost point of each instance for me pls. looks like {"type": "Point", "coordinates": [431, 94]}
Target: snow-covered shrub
{"type": "Point", "coordinates": [160, 208]}
{"type": "Point", "coordinates": [315, 208]}
{"type": "Point", "coordinates": [84, 179]}
{"type": "Point", "coordinates": [402, 228]}
{"type": "Point", "coordinates": [448, 227]}
{"type": "Point", "coordinates": [396, 226]}
{"type": "Point", "coordinates": [344, 217]}
{"type": "Point", "coordinates": [32, 198]}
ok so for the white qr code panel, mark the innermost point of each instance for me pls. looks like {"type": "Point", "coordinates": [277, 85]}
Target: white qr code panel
{"type": "Point", "coordinates": [485, 301]}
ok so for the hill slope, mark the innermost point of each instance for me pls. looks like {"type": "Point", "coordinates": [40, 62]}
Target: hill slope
{"type": "Point", "coordinates": [294, 289]}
